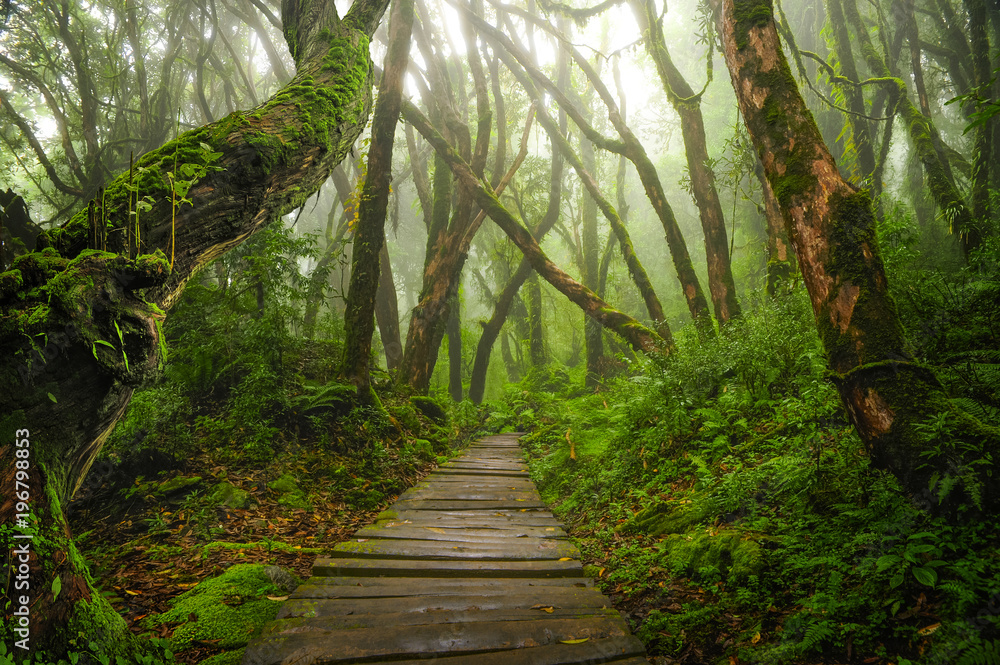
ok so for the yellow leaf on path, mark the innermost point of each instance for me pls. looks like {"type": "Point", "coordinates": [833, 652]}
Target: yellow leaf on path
{"type": "Point", "coordinates": [579, 641]}
{"type": "Point", "coordinates": [756, 638]}
{"type": "Point", "coordinates": [544, 608]}
{"type": "Point", "coordinates": [278, 598]}
{"type": "Point", "coordinates": [600, 573]}
{"type": "Point", "coordinates": [435, 529]}
{"type": "Point", "coordinates": [133, 593]}
{"type": "Point", "coordinates": [566, 558]}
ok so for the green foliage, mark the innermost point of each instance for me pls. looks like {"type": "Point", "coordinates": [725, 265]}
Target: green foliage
{"type": "Point", "coordinates": [730, 469]}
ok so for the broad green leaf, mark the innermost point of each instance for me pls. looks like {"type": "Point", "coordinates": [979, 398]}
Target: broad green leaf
{"type": "Point", "coordinates": [925, 575]}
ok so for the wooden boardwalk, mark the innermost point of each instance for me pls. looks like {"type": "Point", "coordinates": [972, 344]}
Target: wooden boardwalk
{"type": "Point", "coordinates": [467, 567]}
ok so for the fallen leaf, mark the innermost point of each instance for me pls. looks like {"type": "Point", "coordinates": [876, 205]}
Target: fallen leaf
{"type": "Point", "coordinates": [929, 629]}
{"type": "Point", "coordinates": [277, 598]}
{"type": "Point", "coordinates": [579, 641]}
{"type": "Point", "coordinates": [544, 608]}
{"type": "Point", "coordinates": [755, 639]}
{"type": "Point", "coordinates": [133, 593]}
{"type": "Point", "coordinates": [566, 558]}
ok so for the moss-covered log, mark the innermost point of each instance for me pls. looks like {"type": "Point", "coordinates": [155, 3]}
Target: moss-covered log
{"type": "Point", "coordinates": [637, 335]}
{"type": "Point", "coordinates": [80, 327]}
{"type": "Point", "coordinates": [891, 400]}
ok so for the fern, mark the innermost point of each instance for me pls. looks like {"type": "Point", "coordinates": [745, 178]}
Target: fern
{"type": "Point", "coordinates": [816, 634]}
{"type": "Point", "coordinates": [981, 653]}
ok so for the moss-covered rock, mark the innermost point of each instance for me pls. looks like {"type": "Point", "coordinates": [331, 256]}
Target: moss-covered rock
{"type": "Point", "coordinates": [230, 608]}
{"type": "Point", "coordinates": [226, 494]}
{"type": "Point", "coordinates": [178, 485]}
{"type": "Point", "coordinates": [290, 494]}
{"type": "Point", "coordinates": [430, 408]}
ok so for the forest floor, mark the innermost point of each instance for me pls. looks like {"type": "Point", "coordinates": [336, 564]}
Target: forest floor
{"type": "Point", "coordinates": [153, 536]}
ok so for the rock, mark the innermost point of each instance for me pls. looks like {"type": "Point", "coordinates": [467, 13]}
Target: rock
{"type": "Point", "coordinates": [281, 578]}
{"type": "Point", "coordinates": [178, 485]}
{"type": "Point", "coordinates": [225, 494]}
{"type": "Point", "coordinates": [430, 408]}
{"type": "Point", "coordinates": [290, 493]}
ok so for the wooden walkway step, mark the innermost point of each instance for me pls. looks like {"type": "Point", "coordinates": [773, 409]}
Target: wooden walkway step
{"type": "Point", "coordinates": [468, 567]}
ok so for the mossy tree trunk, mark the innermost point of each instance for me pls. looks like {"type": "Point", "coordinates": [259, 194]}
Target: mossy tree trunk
{"type": "Point", "coordinates": [780, 260]}
{"type": "Point", "coordinates": [889, 398]}
{"type": "Point", "coordinates": [369, 236]}
{"type": "Point", "coordinates": [983, 149]}
{"type": "Point", "coordinates": [448, 240]}
{"type": "Point", "coordinates": [387, 312]}
{"type": "Point", "coordinates": [536, 331]}
{"type": "Point", "coordinates": [687, 104]}
{"type": "Point", "coordinates": [66, 390]}
{"type": "Point", "coordinates": [637, 335]}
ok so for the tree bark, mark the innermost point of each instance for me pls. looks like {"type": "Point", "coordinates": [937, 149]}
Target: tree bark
{"type": "Point", "coordinates": [637, 335]}
{"type": "Point", "coordinates": [369, 236]}
{"type": "Point", "coordinates": [536, 331]}
{"type": "Point", "coordinates": [780, 262]}
{"type": "Point", "coordinates": [387, 312]}
{"type": "Point", "coordinates": [888, 396]}
{"type": "Point", "coordinates": [982, 152]}
{"type": "Point", "coordinates": [454, 332]}
{"type": "Point", "coordinates": [687, 104]}
{"type": "Point", "coordinates": [67, 391]}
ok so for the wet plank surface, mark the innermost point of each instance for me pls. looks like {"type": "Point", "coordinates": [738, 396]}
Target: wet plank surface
{"type": "Point", "coordinates": [467, 567]}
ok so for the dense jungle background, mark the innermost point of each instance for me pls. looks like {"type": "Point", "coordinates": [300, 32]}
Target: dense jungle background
{"type": "Point", "coordinates": [240, 315]}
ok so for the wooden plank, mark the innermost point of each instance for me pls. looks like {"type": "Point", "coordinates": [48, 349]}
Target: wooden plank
{"type": "Point", "coordinates": [516, 504]}
{"type": "Point", "coordinates": [401, 587]}
{"type": "Point", "coordinates": [429, 550]}
{"type": "Point", "coordinates": [565, 599]}
{"type": "Point", "coordinates": [458, 533]}
{"type": "Point", "coordinates": [330, 567]}
{"type": "Point", "coordinates": [287, 641]}
{"type": "Point", "coordinates": [478, 518]}
{"type": "Point", "coordinates": [471, 494]}
{"type": "Point", "coordinates": [619, 650]}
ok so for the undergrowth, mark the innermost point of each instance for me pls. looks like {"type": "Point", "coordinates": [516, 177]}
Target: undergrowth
{"type": "Point", "coordinates": [730, 509]}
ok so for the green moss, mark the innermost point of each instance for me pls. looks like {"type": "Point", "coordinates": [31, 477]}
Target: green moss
{"type": "Point", "coordinates": [291, 494]}
{"type": "Point", "coordinates": [749, 15]}
{"type": "Point", "coordinates": [178, 484]}
{"type": "Point", "coordinates": [430, 408]}
{"type": "Point", "coordinates": [231, 608]}
{"type": "Point", "coordinates": [11, 282]}
{"type": "Point", "coordinates": [226, 494]}
{"type": "Point", "coordinates": [704, 552]}
{"type": "Point", "coordinates": [234, 657]}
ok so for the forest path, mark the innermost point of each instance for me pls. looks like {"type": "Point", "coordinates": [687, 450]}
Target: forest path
{"type": "Point", "coordinates": [468, 566]}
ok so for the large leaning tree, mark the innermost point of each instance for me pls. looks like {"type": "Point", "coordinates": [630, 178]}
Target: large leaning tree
{"type": "Point", "coordinates": [890, 398]}
{"type": "Point", "coordinates": [80, 316]}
